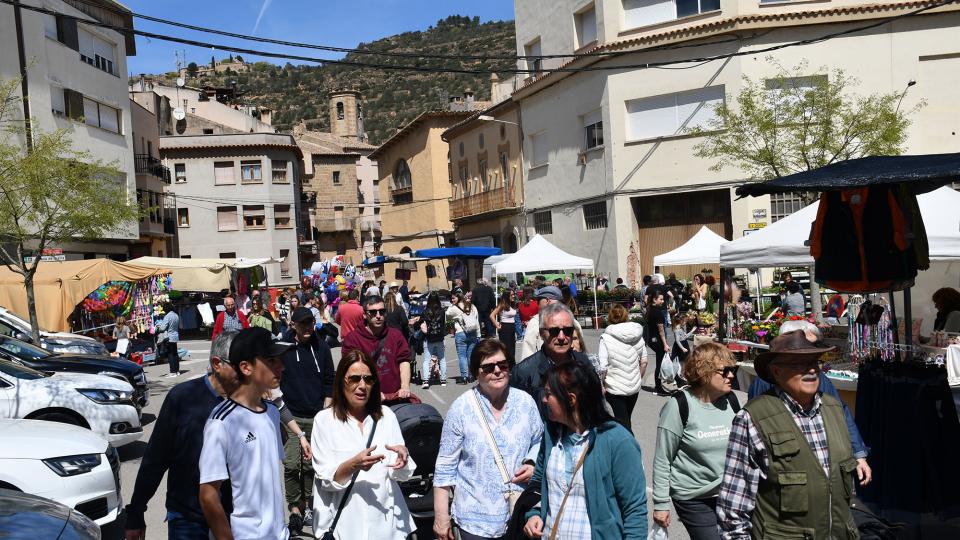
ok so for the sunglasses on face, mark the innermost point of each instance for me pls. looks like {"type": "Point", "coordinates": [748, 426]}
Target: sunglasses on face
{"type": "Point", "coordinates": [375, 312]}
{"type": "Point", "coordinates": [354, 380]}
{"type": "Point", "coordinates": [802, 367]}
{"type": "Point", "coordinates": [727, 371]}
{"type": "Point", "coordinates": [503, 365]}
{"type": "Point", "coordinates": [555, 331]}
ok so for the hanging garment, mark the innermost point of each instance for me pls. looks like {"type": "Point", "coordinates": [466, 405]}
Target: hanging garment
{"type": "Point", "coordinates": [862, 240]}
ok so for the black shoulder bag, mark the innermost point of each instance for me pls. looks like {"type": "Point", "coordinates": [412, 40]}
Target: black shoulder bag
{"type": "Point", "coordinates": [346, 494]}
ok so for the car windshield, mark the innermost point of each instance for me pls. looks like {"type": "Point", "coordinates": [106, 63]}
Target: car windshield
{"type": "Point", "coordinates": [13, 319]}
{"type": "Point", "coordinates": [22, 349]}
{"type": "Point", "coordinates": [20, 372]}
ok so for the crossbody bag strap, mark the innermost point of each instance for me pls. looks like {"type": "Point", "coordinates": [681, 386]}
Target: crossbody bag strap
{"type": "Point", "coordinates": [353, 479]}
{"type": "Point", "coordinates": [379, 350]}
{"type": "Point", "coordinates": [490, 440]}
{"type": "Point", "coordinates": [563, 503]}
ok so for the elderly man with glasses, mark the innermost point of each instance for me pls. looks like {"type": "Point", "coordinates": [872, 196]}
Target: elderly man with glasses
{"type": "Point", "coordinates": [789, 463]}
{"type": "Point", "coordinates": [556, 330]}
{"type": "Point", "coordinates": [386, 347]}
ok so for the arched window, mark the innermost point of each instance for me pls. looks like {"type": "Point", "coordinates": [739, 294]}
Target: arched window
{"type": "Point", "coordinates": [339, 110]}
{"type": "Point", "coordinates": [402, 187]}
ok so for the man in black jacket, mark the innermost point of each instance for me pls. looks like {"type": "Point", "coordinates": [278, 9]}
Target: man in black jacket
{"type": "Point", "coordinates": [307, 387]}
{"type": "Point", "coordinates": [485, 301]}
{"type": "Point", "coordinates": [557, 331]}
{"type": "Point", "coordinates": [175, 446]}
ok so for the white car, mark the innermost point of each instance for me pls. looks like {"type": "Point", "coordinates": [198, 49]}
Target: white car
{"type": "Point", "coordinates": [64, 463]}
{"type": "Point", "coordinates": [58, 342]}
{"type": "Point", "coordinates": [97, 402]}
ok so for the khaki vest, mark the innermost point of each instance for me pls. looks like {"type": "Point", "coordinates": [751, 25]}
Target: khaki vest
{"type": "Point", "coordinates": [797, 500]}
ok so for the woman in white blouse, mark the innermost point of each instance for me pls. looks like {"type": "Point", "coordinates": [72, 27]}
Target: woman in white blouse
{"type": "Point", "coordinates": [375, 508]}
{"type": "Point", "coordinates": [483, 474]}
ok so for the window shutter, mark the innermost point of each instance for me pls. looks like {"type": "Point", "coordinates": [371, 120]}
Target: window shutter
{"type": "Point", "coordinates": [67, 32]}
{"type": "Point", "coordinates": [74, 103]}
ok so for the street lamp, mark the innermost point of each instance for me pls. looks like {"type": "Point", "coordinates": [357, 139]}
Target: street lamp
{"type": "Point", "coordinates": [488, 118]}
{"type": "Point", "coordinates": [910, 83]}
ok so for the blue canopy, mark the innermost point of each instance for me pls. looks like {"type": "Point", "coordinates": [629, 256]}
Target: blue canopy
{"type": "Point", "coordinates": [464, 252]}
{"type": "Point", "coordinates": [374, 261]}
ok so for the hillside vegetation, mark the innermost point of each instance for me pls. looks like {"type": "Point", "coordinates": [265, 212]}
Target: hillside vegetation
{"type": "Point", "coordinates": [390, 97]}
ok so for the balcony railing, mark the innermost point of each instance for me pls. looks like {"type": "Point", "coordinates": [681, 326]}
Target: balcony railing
{"type": "Point", "coordinates": [336, 224]}
{"type": "Point", "coordinates": [144, 164]}
{"type": "Point", "coordinates": [481, 203]}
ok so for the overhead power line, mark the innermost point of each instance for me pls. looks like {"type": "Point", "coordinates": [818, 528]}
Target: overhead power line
{"type": "Point", "coordinates": [428, 69]}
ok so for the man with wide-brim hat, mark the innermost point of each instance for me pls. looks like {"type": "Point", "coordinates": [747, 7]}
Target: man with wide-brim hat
{"type": "Point", "coordinates": [789, 463]}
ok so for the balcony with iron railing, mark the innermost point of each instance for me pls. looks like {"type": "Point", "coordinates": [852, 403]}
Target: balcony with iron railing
{"type": "Point", "coordinates": [339, 224]}
{"type": "Point", "coordinates": [492, 200]}
{"type": "Point", "coordinates": [145, 164]}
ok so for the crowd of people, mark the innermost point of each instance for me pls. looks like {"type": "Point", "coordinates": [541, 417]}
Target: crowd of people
{"type": "Point", "coordinates": [275, 437]}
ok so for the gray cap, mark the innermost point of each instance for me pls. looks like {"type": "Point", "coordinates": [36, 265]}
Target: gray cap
{"type": "Point", "coordinates": [550, 292]}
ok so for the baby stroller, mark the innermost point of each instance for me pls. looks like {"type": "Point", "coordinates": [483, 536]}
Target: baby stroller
{"type": "Point", "coordinates": [421, 425]}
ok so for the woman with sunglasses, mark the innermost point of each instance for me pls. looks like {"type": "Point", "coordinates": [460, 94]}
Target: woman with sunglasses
{"type": "Point", "coordinates": [589, 467]}
{"type": "Point", "coordinates": [692, 442]}
{"type": "Point", "coordinates": [345, 453]}
{"type": "Point", "coordinates": [483, 473]}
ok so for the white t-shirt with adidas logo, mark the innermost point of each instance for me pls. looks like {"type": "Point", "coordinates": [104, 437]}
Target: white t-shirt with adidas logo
{"type": "Point", "coordinates": [243, 447]}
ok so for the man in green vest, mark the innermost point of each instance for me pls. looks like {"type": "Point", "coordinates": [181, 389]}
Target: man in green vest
{"type": "Point", "coordinates": [789, 464]}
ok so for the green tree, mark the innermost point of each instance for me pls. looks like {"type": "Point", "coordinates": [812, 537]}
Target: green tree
{"type": "Point", "coordinates": [797, 122]}
{"type": "Point", "coordinates": [192, 69]}
{"type": "Point", "coordinates": [51, 195]}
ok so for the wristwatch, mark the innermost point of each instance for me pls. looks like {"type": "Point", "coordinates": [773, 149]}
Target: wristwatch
{"type": "Point", "coordinates": [302, 435]}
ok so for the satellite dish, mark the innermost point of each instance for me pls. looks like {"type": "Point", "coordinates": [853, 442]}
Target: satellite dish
{"type": "Point", "coordinates": [181, 82]}
{"type": "Point", "coordinates": [179, 114]}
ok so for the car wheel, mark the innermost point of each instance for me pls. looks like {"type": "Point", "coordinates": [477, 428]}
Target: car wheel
{"type": "Point", "coordinates": [59, 417]}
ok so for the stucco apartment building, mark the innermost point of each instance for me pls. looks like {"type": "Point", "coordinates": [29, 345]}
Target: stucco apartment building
{"type": "Point", "coordinates": [414, 184]}
{"type": "Point", "coordinates": [151, 118]}
{"type": "Point", "coordinates": [608, 168]}
{"type": "Point", "coordinates": [340, 203]}
{"type": "Point", "coordinates": [235, 197]}
{"type": "Point", "coordinates": [76, 80]}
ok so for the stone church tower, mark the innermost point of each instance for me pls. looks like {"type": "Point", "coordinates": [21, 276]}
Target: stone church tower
{"type": "Point", "coordinates": [345, 114]}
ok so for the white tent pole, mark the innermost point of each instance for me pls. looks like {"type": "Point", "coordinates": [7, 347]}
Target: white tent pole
{"type": "Point", "coordinates": [596, 311]}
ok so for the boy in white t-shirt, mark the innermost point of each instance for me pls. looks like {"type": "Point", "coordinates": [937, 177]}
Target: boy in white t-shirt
{"type": "Point", "coordinates": [242, 445]}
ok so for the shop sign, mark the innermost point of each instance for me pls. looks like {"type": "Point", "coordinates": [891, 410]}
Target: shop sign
{"type": "Point", "coordinates": [758, 225]}
{"type": "Point", "coordinates": [45, 258]}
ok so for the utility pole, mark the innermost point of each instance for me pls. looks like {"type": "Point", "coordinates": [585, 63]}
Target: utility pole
{"type": "Point", "coordinates": [24, 89]}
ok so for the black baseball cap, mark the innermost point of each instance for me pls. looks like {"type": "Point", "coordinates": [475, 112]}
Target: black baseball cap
{"type": "Point", "coordinates": [301, 314]}
{"type": "Point", "coordinates": [256, 342]}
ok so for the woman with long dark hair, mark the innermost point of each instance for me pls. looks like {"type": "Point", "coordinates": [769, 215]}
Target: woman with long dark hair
{"type": "Point", "coordinates": [504, 319]}
{"type": "Point", "coordinates": [656, 333]}
{"type": "Point", "coordinates": [589, 469]}
{"type": "Point", "coordinates": [434, 328]}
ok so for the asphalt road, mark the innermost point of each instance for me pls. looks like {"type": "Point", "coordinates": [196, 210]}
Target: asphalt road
{"type": "Point", "coordinates": [644, 422]}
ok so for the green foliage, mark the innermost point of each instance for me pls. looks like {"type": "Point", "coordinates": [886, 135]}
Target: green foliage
{"type": "Point", "coordinates": [192, 69]}
{"type": "Point", "coordinates": [796, 121]}
{"type": "Point", "coordinates": [52, 194]}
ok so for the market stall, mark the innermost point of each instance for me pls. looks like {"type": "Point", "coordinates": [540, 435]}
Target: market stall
{"type": "Point", "coordinates": [701, 248]}
{"type": "Point", "coordinates": [459, 259]}
{"type": "Point", "coordinates": [59, 287]}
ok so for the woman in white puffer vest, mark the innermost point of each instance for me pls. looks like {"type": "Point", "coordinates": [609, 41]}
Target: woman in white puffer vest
{"type": "Point", "coordinates": [623, 355]}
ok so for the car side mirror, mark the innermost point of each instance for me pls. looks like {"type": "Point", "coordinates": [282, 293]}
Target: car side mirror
{"type": "Point", "coordinates": [23, 337]}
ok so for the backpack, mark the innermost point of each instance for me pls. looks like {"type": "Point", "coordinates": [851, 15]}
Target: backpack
{"type": "Point", "coordinates": [684, 407]}
{"type": "Point", "coordinates": [421, 425]}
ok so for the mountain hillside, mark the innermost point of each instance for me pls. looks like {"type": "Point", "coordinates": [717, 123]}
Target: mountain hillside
{"type": "Point", "coordinates": [390, 97]}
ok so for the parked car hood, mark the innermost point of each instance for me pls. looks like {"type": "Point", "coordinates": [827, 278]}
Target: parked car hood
{"type": "Point", "coordinates": [67, 379]}
{"type": "Point", "coordinates": [38, 439]}
{"type": "Point", "coordinates": [106, 363]}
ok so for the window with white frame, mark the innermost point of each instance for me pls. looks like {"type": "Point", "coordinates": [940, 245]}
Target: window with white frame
{"type": "Point", "coordinates": [539, 149]}
{"type": "Point", "coordinates": [227, 218]}
{"type": "Point", "coordinates": [784, 204]}
{"type": "Point", "coordinates": [532, 51]}
{"type": "Point", "coordinates": [254, 217]}
{"type": "Point", "coordinates": [223, 173]}
{"type": "Point", "coordinates": [97, 52]}
{"type": "Point", "coordinates": [50, 26]}
{"type": "Point", "coordinates": [586, 24]}
{"type": "Point", "coordinates": [595, 215]}
{"type": "Point", "coordinates": [278, 169]}
{"type": "Point", "coordinates": [100, 115]}
{"type": "Point", "coordinates": [672, 114]}
{"type": "Point", "coordinates": [250, 172]}
{"type": "Point", "coordinates": [180, 173]}
{"type": "Point", "coordinates": [593, 130]}
{"type": "Point", "coordinates": [183, 217]}
{"type": "Point", "coordinates": [637, 13]}
{"type": "Point", "coordinates": [543, 222]}
{"type": "Point", "coordinates": [789, 92]}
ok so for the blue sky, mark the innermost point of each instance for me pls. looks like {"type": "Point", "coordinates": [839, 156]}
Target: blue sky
{"type": "Point", "coordinates": [337, 23]}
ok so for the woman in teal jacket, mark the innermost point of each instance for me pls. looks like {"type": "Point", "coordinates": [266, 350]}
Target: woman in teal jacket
{"type": "Point", "coordinates": [589, 467]}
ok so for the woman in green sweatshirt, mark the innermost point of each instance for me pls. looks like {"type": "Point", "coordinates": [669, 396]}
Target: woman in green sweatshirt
{"type": "Point", "coordinates": [692, 443]}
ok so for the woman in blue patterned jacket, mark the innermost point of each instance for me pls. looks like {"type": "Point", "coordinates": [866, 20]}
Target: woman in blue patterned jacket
{"type": "Point", "coordinates": [490, 439]}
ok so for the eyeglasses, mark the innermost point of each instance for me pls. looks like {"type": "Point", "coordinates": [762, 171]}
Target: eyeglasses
{"type": "Point", "coordinates": [504, 365]}
{"type": "Point", "coordinates": [727, 371]}
{"type": "Point", "coordinates": [354, 380]}
{"type": "Point", "coordinates": [801, 367]}
{"type": "Point", "coordinates": [375, 312]}
{"type": "Point", "coordinates": [555, 331]}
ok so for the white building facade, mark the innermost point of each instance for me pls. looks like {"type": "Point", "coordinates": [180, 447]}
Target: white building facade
{"type": "Point", "coordinates": [609, 169]}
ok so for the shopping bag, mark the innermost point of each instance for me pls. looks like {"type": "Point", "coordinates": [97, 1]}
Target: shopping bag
{"type": "Point", "coordinates": [657, 533]}
{"type": "Point", "coordinates": [667, 370]}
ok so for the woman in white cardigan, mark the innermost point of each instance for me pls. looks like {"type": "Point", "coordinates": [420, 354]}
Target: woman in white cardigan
{"type": "Point", "coordinates": [623, 355]}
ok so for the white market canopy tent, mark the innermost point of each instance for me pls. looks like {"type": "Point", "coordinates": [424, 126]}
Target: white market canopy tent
{"type": "Point", "coordinates": [701, 248]}
{"type": "Point", "coordinates": [201, 275]}
{"type": "Point", "coordinates": [783, 242]}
